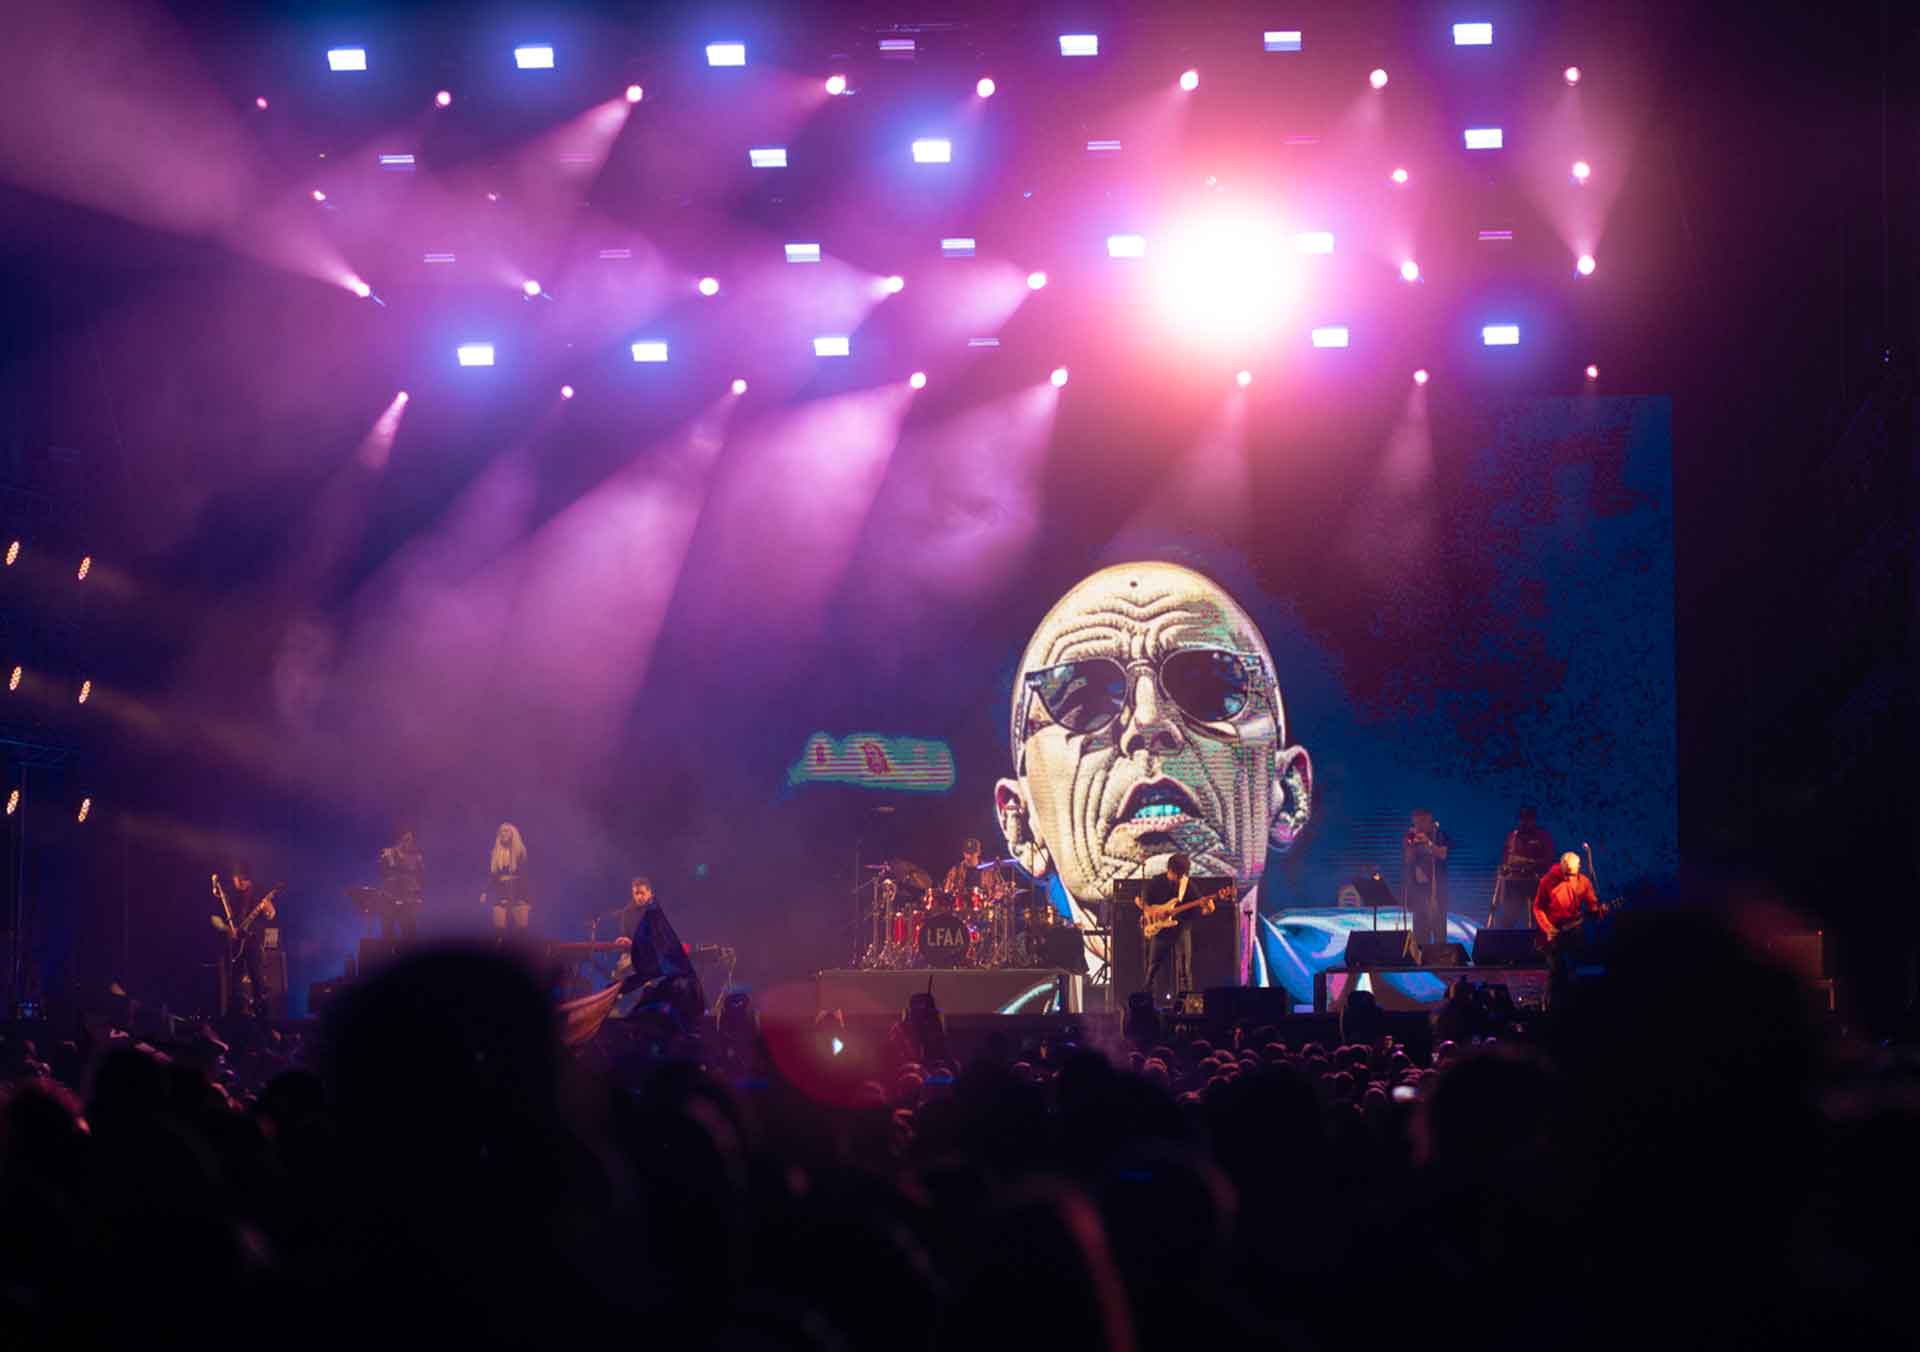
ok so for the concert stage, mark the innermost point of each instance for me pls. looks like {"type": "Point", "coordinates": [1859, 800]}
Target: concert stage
{"type": "Point", "coordinates": [955, 991]}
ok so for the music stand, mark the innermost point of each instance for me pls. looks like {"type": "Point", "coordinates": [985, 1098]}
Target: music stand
{"type": "Point", "coordinates": [1375, 893]}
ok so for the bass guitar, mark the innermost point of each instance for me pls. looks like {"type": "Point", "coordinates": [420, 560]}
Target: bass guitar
{"type": "Point", "coordinates": [237, 930]}
{"type": "Point", "coordinates": [1154, 919]}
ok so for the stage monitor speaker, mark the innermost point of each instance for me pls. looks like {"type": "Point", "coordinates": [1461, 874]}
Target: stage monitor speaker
{"type": "Point", "coordinates": [1443, 955]}
{"type": "Point", "coordinates": [1378, 948]}
{"type": "Point", "coordinates": [1254, 1005]}
{"type": "Point", "coordinates": [1215, 938]}
{"type": "Point", "coordinates": [1505, 948]}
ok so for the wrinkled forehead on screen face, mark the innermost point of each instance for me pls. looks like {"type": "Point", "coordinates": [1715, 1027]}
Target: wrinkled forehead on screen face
{"type": "Point", "coordinates": [1141, 612]}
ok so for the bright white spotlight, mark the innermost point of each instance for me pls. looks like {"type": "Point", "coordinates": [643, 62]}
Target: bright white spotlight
{"type": "Point", "coordinates": [1572, 74]}
{"type": "Point", "coordinates": [444, 98]}
{"type": "Point", "coordinates": [803, 253]}
{"type": "Point", "coordinates": [836, 84]}
{"type": "Point", "coordinates": [13, 552]}
{"type": "Point", "coordinates": [1126, 246]}
{"type": "Point", "coordinates": [261, 103]}
{"type": "Point", "coordinates": [402, 397]}
{"type": "Point", "coordinates": [1473, 35]}
{"type": "Point", "coordinates": [832, 346]}
{"type": "Point", "coordinates": [318, 196]}
{"type": "Point", "coordinates": [347, 58]}
{"type": "Point", "coordinates": [566, 391]}
{"type": "Point", "coordinates": [1285, 40]}
{"type": "Point", "coordinates": [358, 287]}
{"type": "Point", "coordinates": [1582, 171]}
{"type": "Point", "coordinates": [13, 679]}
{"type": "Point", "coordinates": [1330, 335]}
{"type": "Point", "coordinates": [739, 386]}
{"type": "Point", "coordinates": [1483, 138]}
{"type": "Point", "coordinates": [1079, 44]}
{"type": "Point", "coordinates": [533, 58]}
{"type": "Point", "coordinates": [1593, 373]}
{"type": "Point", "coordinates": [1314, 241]}
{"type": "Point", "coordinates": [1244, 379]}
{"type": "Point", "coordinates": [13, 802]}
{"type": "Point", "coordinates": [86, 566]}
{"type": "Point", "coordinates": [918, 380]}
{"type": "Point", "coordinates": [650, 349]}
{"type": "Point", "coordinates": [1584, 265]}
{"type": "Point", "coordinates": [86, 806]}
{"type": "Point", "coordinates": [1377, 78]}
{"type": "Point", "coordinates": [894, 285]}
{"type": "Point", "coordinates": [1059, 377]}
{"type": "Point", "coordinates": [957, 246]}
{"type": "Point", "coordinates": [768, 157]}
{"type": "Point", "coordinates": [1500, 335]}
{"type": "Point", "coordinates": [1036, 280]}
{"type": "Point", "coordinates": [86, 689]}
{"type": "Point", "coordinates": [933, 152]}
{"type": "Point", "coordinates": [985, 87]}
{"type": "Point", "coordinates": [531, 287]}
{"type": "Point", "coordinates": [1409, 271]}
{"type": "Point", "coordinates": [1398, 175]}
{"type": "Point", "coordinates": [475, 354]}
{"type": "Point", "coordinates": [635, 93]}
{"type": "Point", "coordinates": [709, 286]}
{"type": "Point", "coordinates": [1420, 376]}
{"type": "Point", "coordinates": [726, 53]}
{"type": "Point", "coordinates": [1190, 80]}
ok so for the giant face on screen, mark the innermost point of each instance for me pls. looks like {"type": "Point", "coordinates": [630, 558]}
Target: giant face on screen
{"type": "Point", "coordinates": [1147, 719]}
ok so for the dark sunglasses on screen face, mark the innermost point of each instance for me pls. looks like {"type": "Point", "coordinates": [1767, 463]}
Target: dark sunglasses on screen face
{"type": "Point", "coordinates": [1209, 685]}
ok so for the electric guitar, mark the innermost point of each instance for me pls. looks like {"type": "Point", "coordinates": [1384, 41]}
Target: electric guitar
{"type": "Point", "coordinates": [1548, 943]}
{"type": "Point", "coordinates": [237, 931]}
{"type": "Point", "coordinates": [1154, 919]}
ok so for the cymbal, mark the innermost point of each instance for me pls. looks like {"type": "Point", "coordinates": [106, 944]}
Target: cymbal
{"type": "Point", "coordinates": [910, 873]}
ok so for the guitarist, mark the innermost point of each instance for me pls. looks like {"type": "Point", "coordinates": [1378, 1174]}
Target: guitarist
{"type": "Point", "coordinates": [242, 913]}
{"type": "Point", "coordinates": [1170, 952]}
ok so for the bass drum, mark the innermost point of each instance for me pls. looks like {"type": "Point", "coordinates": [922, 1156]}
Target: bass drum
{"type": "Point", "coordinates": [944, 940]}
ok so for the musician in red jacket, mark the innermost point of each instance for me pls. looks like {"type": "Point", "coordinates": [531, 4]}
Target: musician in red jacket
{"type": "Point", "coordinates": [1564, 897]}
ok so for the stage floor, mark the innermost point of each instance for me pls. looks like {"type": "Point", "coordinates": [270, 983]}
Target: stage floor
{"type": "Point", "coordinates": [955, 990]}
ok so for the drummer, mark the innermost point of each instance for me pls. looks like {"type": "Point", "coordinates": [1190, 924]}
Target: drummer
{"type": "Point", "coordinates": [963, 879]}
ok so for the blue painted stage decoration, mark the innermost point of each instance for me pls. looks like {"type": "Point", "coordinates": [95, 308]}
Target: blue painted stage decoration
{"type": "Point", "coordinates": [869, 760]}
{"type": "Point", "coordinates": [1295, 946]}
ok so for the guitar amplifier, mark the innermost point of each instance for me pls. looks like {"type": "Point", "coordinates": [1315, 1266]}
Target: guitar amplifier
{"type": "Point", "coordinates": [273, 973]}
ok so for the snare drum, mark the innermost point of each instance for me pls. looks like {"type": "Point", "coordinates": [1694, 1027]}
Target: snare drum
{"type": "Point", "coordinates": [944, 940]}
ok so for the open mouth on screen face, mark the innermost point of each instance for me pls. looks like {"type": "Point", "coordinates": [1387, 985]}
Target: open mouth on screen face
{"type": "Point", "coordinates": [1153, 815]}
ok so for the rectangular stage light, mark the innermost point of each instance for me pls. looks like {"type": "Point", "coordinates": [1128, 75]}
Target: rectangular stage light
{"type": "Point", "coordinates": [959, 246]}
{"type": "Point", "coordinates": [533, 58]}
{"type": "Point", "coordinates": [1473, 35]}
{"type": "Point", "coordinates": [897, 49]}
{"type": "Point", "coordinates": [650, 350]}
{"type": "Point", "coordinates": [1079, 44]}
{"type": "Point", "coordinates": [1097, 146]}
{"type": "Point", "coordinates": [1483, 138]}
{"type": "Point", "coordinates": [438, 258]}
{"type": "Point", "coordinates": [768, 157]}
{"type": "Point", "coordinates": [726, 53]}
{"type": "Point", "coordinates": [1490, 236]}
{"type": "Point", "coordinates": [1331, 335]}
{"type": "Point", "coordinates": [933, 152]}
{"type": "Point", "coordinates": [1126, 246]}
{"type": "Point", "coordinates": [1285, 41]}
{"type": "Point", "coordinates": [830, 347]}
{"type": "Point", "coordinates": [475, 354]}
{"type": "Point", "coordinates": [1500, 335]}
{"type": "Point", "coordinates": [1315, 241]}
{"type": "Point", "coordinates": [396, 161]}
{"type": "Point", "coordinates": [616, 253]}
{"type": "Point", "coordinates": [983, 342]}
{"type": "Point", "coordinates": [347, 58]}
{"type": "Point", "coordinates": [803, 253]}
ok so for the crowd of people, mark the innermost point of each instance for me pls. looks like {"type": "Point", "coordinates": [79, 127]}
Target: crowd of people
{"type": "Point", "coordinates": [1681, 1155]}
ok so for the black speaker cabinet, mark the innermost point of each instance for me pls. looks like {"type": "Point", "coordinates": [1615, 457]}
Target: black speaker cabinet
{"type": "Point", "coordinates": [1378, 948]}
{"type": "Point", "coordinates": [1215, 961]}
{"type": "Point", "coordinates": [1505, 948]}
{"type": "Point", "coordinates": [1444, 955]}
{"type": "Point", "coordinates": [273, 973]}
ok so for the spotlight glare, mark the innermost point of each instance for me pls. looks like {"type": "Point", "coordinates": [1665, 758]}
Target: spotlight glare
{"type": "Point", "coordinates": [1585, 265]}
{"type": "Point", "coordinates": [1223, 278]}
{"type": "Point", "coordinates": [86, 806]}
{"type": "Point", "coordinates": [985, 87]}
{"type": "Point", "coordinates": [1573, 75]}
{"type": "Point", "coordinates": [533, 58]}
{"type": "Point", "coordinates": [1377, 78]}
{"type": "Point", "coordinates": [1330, 335]}
{"type": "Point", "coordinates": [1036, 280]}
{"type": "Point", "coordinates": [1500, 335]}
{"type": "Point", "coordinates": [834, 346]}
{"type": "Point", "coordinates": [444, 98]}
{"type": "Point", "coordinates": [918, 380]}
{"type": "Point", "coordinates": [1420, 376]}
{"type": "Point", "coordinates": [635, 93]}
{"type": "Point", "coordinates": [1473, 35]}
{"type": "Point", "coordinates": [1409, 271]}
{"type": "Point", "coordinates": [86, 689]}
{"type": "Point", "coordinates": [894, 285]}
{"type": "Point", "coordinates": [1399, 175]}
{"type": "Point", "coordinates": [13, 681]}
{"type": "Point", "coordinates": [836, 84]}
{"type": "Point", "coordinates": [347, 58]}
{"type": "Point", "coordinates": [13, 552]}
{"type": "Point", "coordinates": [261, 103]}
{"type": "Point", "coordinates": [709, 286]}
{"type": "Point", "coordinates": [933, 152]}
{"type": "Point", "coordinates": [739, 386]}
{"type": "Point", "coordinates": [359, 288]}
{"type": "Point", "coordinates": [1593, 373]}
{"type": "Point", "coordinates": [1079, 44]}
{"type": "Point", "coordinates": [1582, 171]}
{"type": "Point", "coordinates": [319, 196]}
{"type": "Point", "coordinates": [1314, 241]}
{"type": "Point", "coordinates": [86, 566]}
{"type": "Point", "coordinates": [475, 354]}
{"type": "Point", "coordinates": [1059, 377]}
{"type": "Point", "coordinates": [566, 391]}
{"type": "Point", "coordinates": [1190, 80]}
{"type": "Point", "coordinates": [650, 349]}
{"type": "Point", "coordinates": [1244, 379]}
{"type": "Point", "coordinates": [531, 287]}
{"type": "Point", "coordinates": [401, 397]}
{"type": "Point", "coordinates": [13, 802]}
{"type": "Point", "coordinates": [726, 53]}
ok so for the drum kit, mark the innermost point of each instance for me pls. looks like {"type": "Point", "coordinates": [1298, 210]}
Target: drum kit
{"type": "Point", "coordinates": [916, 924]}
